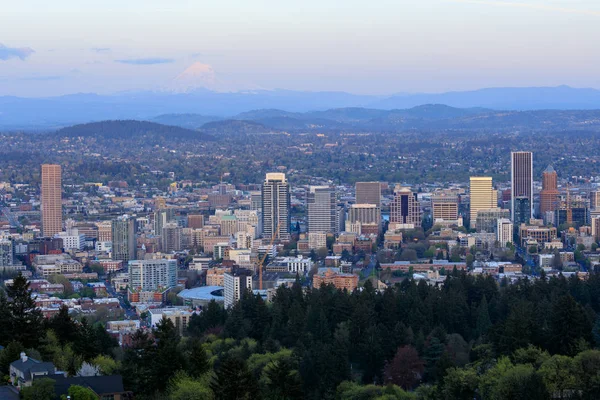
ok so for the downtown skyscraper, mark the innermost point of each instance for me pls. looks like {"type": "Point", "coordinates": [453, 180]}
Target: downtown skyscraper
{"type": "Point", "coordinates": [549, 192]}
{"type": "Point", "coordinates": [521, 178]}
{"type": "Point", "coordinates": [482, 196]}
{"type": "Point", "coordinates": [322, 207]}
{"type": "Point", "coordinates": [123, 239]}
{"type": "Point", "coordinates": [276, 206]}
{"type": "Point", "coordinates": [51, 199]}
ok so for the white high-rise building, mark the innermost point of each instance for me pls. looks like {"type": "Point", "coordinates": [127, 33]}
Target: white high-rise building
{"type": "Point", "coordinates": [504, 232]}
{"type": "Point", "coordinates": [276, 206]}
{"type": "Point", "coordinates": [152, 275]}
{"type": "Point", "coordinates": [235, 284]}
{"type": "Point", "coordinates": [322, 207]}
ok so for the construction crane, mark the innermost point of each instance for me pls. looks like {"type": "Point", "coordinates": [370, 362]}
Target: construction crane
{"type": "Point", "coordinates": [262, 261]}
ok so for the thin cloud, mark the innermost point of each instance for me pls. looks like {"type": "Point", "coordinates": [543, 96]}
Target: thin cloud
{"type": "Point", "coordinates": [146, 61]}
{"type": "Point", "coordinates": [530, 6]}
{"type": "Point", "coordinates": [21, 53]}
{"type": "Point", "coordinates": [100, 49]}
{"type": "Point", "coordinates": [42, 78]}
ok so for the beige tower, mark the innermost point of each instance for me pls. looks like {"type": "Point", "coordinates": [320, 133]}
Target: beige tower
{"type": "Point", "coordinates": [51, 200]}
{"type": "Point", "coordinates": [483, 196]}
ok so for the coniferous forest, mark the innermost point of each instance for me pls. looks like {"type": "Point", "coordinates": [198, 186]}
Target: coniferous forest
{"type": "Point", "coordinates": [470, 338]}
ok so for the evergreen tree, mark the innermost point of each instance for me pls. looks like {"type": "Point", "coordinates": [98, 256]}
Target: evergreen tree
{"type": "Point", "coordinates": [168, 358]}
{"type": "Point", "coordinates": [569, 324]}
{"type": "Point", "coordinates": [283, 381]}
{"type": "Point", "coordinates": [198, 362]}
{"type": "Point", "coordinates": [26, 320]}
{"type": "Point", "coordinates": [64, 326]}
{"type": "Point", "coordinates": [483, 318]}
{"type": "Point", "coordinates": [233, 380]}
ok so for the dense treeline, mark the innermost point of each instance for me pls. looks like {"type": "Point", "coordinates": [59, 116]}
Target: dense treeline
{"type": "Point", "coordinates": [470, 338]}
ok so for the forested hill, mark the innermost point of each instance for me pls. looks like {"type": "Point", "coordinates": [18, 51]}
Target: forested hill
{"type": "Point", "coordinates": [131, 129]}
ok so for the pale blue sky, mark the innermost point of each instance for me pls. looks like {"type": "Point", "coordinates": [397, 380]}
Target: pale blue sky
{"type": "Point", "coordinates": [375, 46]}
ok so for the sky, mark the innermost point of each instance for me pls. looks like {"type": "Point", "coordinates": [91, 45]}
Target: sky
{"type": "Point", "coordinates": [58, 47]}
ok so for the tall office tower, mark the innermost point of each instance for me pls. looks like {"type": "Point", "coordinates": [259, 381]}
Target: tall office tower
{"type": "Point", "coordinates": [482, 196]}
{"type": "Point", "coordinates": [276, 206]}
{"type": "Point", "coordinates": [152, 275]}
{"type": "Point", "coordinates": [256, 201]}
{"type": "Point", "coordinates": [51, 199]}
{"type": "Point", "coordinates": [521, 177]}
{"type": "Point", "coordinates": [322, 207]}
{"type": "Point", "coordinates": [123, 238]}
{"type": "Point", "coordinates": [549, 192]}
{"type": "Point", "coordinates": [504, 231]}
{"type": "Point", "coordinates": [444, 207]}
{"type": "Point", "coordinates": [195, 221]}
{"type": "Point", "coordinates": [368, 193]}
{"type": "Point", "coordinates": [405, 208]}
{"type": "Point", "coordinates": [235, 284]}
{"type": "Point", "coordinates": [171, 237]}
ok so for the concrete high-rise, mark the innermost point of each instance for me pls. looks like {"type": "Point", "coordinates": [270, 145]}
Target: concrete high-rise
{"type": "Point", "coordinates": [235, 284]}
{"type": "Point", "coordinates": [123, 239]}
{"type": "Point", "coordinates": [51, 199]}
{"type": "Point", "coordinates": [504, 231]}
{"type": "Point", "coordinates": [322, 207]}
{"type": "Point", "coordinates": [444, 207]}
{"type": "Point", "coordinates": [521, 177]}
{"type": "Point", "coordinates": [482, 196]}
{"type": "Point", "coordinates": [171, 237]}
{"type": "Point", "coordinates": [152, 275]}
{"type": "Point", "coordinates": [368, 193]}
{"type": "Point", "coordinates": [549, 193]}
{"type": "Point", "coordinates": [405, 208]}
{"type": "Point", "coordinates": [276, 206]}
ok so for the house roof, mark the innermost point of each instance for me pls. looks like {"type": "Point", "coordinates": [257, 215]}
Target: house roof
{"type": "Point", "coordinates": [99, 384]}
{"type": "Point", "coordinates": [31, 365]}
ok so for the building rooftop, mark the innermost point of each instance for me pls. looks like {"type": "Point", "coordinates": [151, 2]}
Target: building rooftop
{"type": "Point", "coordinates": [206, 293]}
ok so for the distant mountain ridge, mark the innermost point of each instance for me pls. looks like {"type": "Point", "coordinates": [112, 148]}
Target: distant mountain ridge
{"type": "Point", "coordinates": [57, 112]}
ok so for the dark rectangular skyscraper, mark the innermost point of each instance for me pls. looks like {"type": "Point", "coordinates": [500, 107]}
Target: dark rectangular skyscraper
{"type": "Point", "coordinates": [521, 174]}
{"type": "Point", "coordinates": [368, 193]}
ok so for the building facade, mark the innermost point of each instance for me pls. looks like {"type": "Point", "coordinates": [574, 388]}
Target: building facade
{"type": "Point", "coordinates": [235, 284]}
{"type": "Point", "coordinates": [368, 193]}
{"type": "Point", "coordinates": [322, 206]}
{"type": "Point", "coordinates": [482, 196]}
{"type": "Point", "coordinates": [549, 192]}
{"type": "Point", "coordinates": [123, 239]}
{"type": "Point", "coordinates": [405, 208]}
{"type": "Point", "coordinates": [52, 222]}
{"type": "Point", "coordinates": [152, 275]}
{"type": "Point", "coordinates": [521, 174]}
{"type": "Point", "coordinates": [276, 206]}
